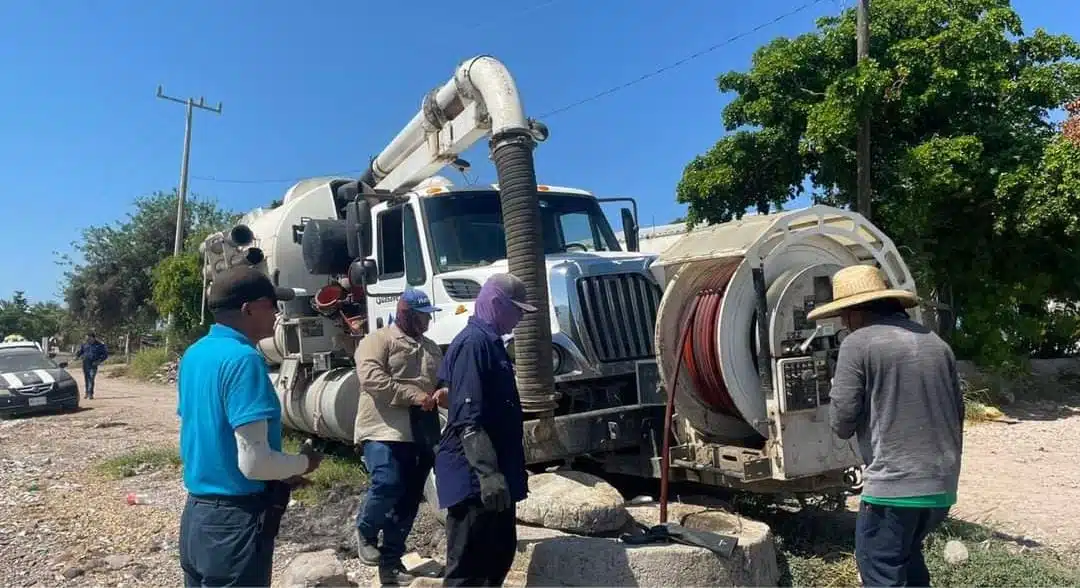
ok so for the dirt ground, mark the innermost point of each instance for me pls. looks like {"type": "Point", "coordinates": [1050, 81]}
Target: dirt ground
{"type": "Point", "coordinates": [61, 522]}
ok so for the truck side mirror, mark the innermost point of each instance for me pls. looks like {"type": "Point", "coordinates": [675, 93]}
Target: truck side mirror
{"type": "Point", "coordinates": [371, 271]}
{"type": "Point", "coordinates": [630, 230]}
{"type": "Point", "coordinates": [358, 228]}
{"type": "Point", "coordinates": [364, 271]}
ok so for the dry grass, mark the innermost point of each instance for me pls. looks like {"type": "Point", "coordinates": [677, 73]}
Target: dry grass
{"type": "Point", "coordinates": [139, 461]}
{"type": "Point", "coordinates": [817, 548]}
{"type": "Point", "coordinates": [336, 471]}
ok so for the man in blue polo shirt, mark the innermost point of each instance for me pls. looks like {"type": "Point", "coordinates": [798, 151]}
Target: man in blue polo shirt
{"type": "Point", "coordinates": [480, 463]}
{"type": "Point", "coordinates": [237, 478]}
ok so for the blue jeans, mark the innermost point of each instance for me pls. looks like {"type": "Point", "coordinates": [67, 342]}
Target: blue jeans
{"type": "Point", "coordinates": [89, 373]}
{"type": "Point", "coordinates": [889, 543]}
{"type": "Point", "coordinates": [223, 543]}
{"type": "Point", "coordinates": [397, 473]}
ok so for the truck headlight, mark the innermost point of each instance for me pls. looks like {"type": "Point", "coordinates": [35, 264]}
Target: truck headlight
{"type": "Point", "coordinates": [557, 356]}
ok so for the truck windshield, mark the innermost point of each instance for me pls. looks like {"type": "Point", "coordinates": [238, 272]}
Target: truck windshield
{"type": "Point", "coordinates": [466, 228]}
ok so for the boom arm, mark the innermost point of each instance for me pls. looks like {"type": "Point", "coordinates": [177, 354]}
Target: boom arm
{"type": "Point", "coordinates": [480, 99]}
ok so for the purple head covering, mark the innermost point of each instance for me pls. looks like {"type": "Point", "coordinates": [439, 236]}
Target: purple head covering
{"type": "Point", "coordinates": [502, 302]}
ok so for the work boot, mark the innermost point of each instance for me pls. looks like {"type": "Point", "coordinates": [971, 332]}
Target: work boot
{"type": "Point", "coordinates": [366, 550]}
{"type": "Point", "coordinates": [395, 575]}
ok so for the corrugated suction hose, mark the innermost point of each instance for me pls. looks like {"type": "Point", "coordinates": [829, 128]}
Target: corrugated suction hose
{"type": "Point", "coordinates": [512, 154]}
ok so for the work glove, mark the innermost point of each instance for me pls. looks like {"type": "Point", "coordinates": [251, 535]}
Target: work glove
{"type": "Point", "coordinates": [481, 455]}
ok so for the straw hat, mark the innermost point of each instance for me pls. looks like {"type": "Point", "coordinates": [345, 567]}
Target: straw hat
{"type": "Point", "coordinates": [856, 285]}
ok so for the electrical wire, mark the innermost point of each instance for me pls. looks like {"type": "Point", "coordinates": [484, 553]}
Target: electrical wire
{"type": "Point", "coordinates": [572, 105]}
{"type": "Point", "coordinates": [680, 62]}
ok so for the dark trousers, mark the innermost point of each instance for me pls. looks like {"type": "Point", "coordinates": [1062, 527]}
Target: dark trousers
{"type": "Point", "coordinates": [89, 374]}
{"type": "Point", "coordinates": [225, 543]}
{"type": "Point", "coordinates": [480, 544]}
{"type": "Point", "coordinates": [397, 472]}
{"type": "Point", "coordinates": [889, 544]}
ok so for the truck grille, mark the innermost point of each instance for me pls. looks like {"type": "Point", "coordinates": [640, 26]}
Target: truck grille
{"type": "Point", "coordinates": [619, 313]}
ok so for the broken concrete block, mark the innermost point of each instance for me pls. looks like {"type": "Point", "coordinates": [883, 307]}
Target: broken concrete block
{"type": "Point", "coordinates": [572, 501]}
{"type": "Point", "coordinates": [316, 568]}
{"type": "Point", "coordinates": [550, 557]}
{"type": "Point", "coordinates": [754, 561]}
{"type": "Point", "coordinates": [421, 566]}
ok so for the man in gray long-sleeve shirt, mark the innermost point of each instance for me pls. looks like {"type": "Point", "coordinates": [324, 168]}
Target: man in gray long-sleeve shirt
{"type": "Point", "coordinates": [896, 390]}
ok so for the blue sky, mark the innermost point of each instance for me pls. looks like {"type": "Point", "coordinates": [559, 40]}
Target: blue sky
{"type": "Point", "coordinates": [319, 87]}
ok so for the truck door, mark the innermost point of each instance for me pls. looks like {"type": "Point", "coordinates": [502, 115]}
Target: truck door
{"type": "Point", "coordinates": [400, 256]}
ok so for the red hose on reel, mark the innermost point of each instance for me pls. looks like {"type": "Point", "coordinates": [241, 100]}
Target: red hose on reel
{"type": "Point", "coordinates": [669, 411]}
{"type": "Point", "coordinates": [700, 355]}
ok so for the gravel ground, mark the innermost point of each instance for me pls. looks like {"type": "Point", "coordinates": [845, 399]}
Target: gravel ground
{"type": "Point", "coordinates": [1024, 478]}
{"type": "Point", "coordinates": [62, 523]}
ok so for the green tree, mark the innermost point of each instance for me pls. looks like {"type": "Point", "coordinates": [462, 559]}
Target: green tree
{"type": "Point", "coordinates": [15, 316]}
{"type": "Point", "coordinates": [32, 321]}
{"type": "Point", "coordinates": [111, 289]}
{"type": "Point", "coordinates": [970, 176]}
{"type": "Point", "coordinates": [177, 283]}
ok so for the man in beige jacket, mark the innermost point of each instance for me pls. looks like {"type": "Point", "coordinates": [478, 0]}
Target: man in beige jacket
{"type": "Point", "coordinates": [397, 368]}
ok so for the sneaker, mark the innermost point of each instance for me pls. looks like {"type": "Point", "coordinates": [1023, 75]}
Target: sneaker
{"type": "Point", "coordinates": [366, 550]}
{"type": "Point", "coordinates": [395, 576]}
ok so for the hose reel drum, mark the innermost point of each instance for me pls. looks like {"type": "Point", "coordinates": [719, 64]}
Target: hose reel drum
{"type": "Point", "coordinates": [798, 253]}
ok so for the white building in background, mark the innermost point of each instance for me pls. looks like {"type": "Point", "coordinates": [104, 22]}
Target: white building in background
{"type": "Point", "coordinates": [657, 238]}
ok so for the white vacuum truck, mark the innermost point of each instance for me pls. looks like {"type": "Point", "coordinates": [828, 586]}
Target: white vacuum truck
{"type": "Point", "coordinates": [595, 365]}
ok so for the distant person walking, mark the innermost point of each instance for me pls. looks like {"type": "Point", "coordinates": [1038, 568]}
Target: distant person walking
{"type": "Point", "coordinates": [897, 391]}
{"type": "Point", "coordinates": [238, 479]}
{"type": "Point", "coordinates": [480, 463]}
{"type": "Point", "coordinates": [93, 353]}
{"type": "Point", "coordinates": [397, 426]}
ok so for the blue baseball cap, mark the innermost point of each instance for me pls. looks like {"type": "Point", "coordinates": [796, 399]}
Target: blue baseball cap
{"type": "Point", "coordinates": [418, 301]}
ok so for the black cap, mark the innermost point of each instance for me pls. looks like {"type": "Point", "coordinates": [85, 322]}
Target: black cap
{"type": "Point", "coordinates": [242, 284]}
{"type": "Point", "coordinates": [513, 288]}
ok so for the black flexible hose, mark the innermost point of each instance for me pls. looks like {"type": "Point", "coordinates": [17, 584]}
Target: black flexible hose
{"type": "Point", "coordinates": [512, 154]}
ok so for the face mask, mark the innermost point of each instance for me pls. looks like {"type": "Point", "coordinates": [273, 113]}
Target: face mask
{"type": "Point", "coordinates": [409, 321]}
{"type": "Point", "coordinates": [497, 309]}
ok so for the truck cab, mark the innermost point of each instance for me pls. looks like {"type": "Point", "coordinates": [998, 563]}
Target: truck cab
{"type": "Point", "coordinates": [446, 240]}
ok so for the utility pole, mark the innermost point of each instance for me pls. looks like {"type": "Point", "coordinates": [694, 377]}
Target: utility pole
{"type": "Point", "coordinates": [178, 242]}
{"type": "Point", "coordinates": [863, 147]}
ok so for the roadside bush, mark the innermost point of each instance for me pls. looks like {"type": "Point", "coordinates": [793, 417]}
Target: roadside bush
{"type": "Point", "coordinates": [147, 362]}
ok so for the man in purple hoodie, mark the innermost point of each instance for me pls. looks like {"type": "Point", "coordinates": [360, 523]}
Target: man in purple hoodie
{"type": "Point", "coordinates": [480, 462]}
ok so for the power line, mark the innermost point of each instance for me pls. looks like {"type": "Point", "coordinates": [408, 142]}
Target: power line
{"type": "Point", "coordinates": [583, 101]}
{"type": "Point", "coordinates": [680, 62]}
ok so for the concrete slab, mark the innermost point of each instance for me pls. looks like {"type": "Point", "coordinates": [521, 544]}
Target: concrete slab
{"type": "Point", "coordinates": [547, 557]}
